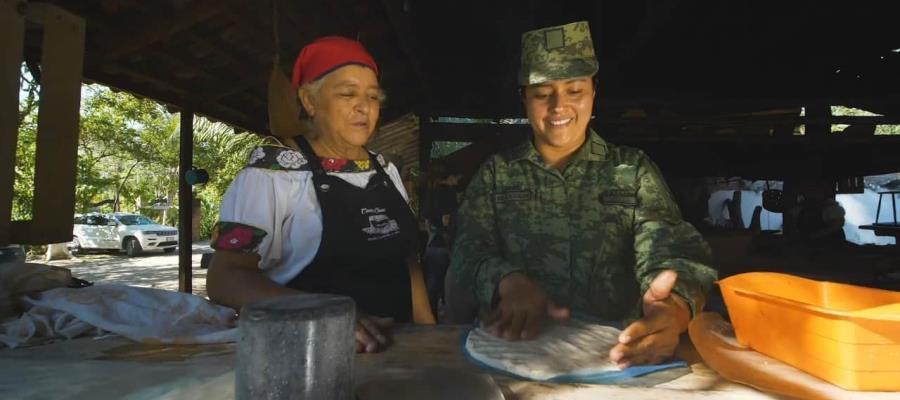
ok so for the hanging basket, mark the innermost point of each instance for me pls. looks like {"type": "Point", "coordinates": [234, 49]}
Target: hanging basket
{"type": "Point", "coordinates": [284, 110]}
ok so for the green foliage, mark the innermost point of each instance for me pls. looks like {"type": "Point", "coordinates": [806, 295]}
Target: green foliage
{"type": "Point", "coordinates": [887, 130]}
{"type": "Point", "coordinates": [128, 152]}
{"type": "Point", "coordinates": [23, 189]}
{"type": "Point", "coordinates": [222, 153]}
{"type": "Point", "coordinates": [442, 148]}
{"type": "Point", "coordinates": [879, 129]}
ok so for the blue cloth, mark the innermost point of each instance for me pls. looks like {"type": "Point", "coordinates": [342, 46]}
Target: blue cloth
{"type": "Point", "coordinates": [589, 377]}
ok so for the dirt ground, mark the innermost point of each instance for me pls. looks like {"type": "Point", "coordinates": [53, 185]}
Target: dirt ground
{"type": "Point", "coordinates": [151, 269]}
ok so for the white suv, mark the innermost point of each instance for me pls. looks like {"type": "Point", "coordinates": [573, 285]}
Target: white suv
{"type": "Point", "coordinates": [122, 231]}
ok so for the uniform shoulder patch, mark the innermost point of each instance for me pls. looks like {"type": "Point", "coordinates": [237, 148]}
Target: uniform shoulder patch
{"type": "Point", "coordinates": [626, 154]}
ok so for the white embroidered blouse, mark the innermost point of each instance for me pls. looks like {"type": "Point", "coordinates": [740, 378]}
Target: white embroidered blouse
{"type": "Point", "coordinates": [271, 208]}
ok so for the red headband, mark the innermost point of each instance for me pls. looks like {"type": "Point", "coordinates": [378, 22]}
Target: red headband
{"type": "Point", "coordinates": [327, 54]}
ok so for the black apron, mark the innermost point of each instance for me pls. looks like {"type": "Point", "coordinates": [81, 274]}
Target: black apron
{"type": "Point", "coordinates": [367, 235]}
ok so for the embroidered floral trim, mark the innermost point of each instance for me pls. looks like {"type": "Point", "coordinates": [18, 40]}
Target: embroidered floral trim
{"type": "Point", "coordinates": [286, 159]}
{"type": "Point", "coordinates": [341, 165]}
{"type": "Point", "coordinates": [277, 158]}
{"type": "Point", "coordinates": [235, 236]}
{"type": "Point", "coordinates": [257, 154]}
{"type": "Point", "coordinates": [334, 164]}
{"type": "Point", "coordinates": [290, 159]}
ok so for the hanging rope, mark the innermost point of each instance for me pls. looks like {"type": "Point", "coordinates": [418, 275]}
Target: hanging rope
{"type": "Point", "coordinates": [283, 107]}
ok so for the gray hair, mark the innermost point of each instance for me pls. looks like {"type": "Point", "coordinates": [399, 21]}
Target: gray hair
{"type": "Point", "coordinates": [313, 88]}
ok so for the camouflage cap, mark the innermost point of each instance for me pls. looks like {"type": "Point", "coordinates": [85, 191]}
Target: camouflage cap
{"type": "Point", "coordinates": [557, 52]}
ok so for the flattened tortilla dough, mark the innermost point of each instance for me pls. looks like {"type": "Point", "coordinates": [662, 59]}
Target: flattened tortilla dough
{"type": "Point", "coordinates": [560, 349]}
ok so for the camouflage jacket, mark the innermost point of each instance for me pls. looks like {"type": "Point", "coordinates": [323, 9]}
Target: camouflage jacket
{"type": "Point", "coordinates": [592, 236]}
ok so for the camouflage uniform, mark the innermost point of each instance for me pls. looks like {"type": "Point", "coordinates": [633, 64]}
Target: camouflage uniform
{"type": "Point", "coordinates": [593, 235]}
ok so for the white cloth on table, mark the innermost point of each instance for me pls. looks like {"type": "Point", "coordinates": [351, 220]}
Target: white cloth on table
{"type": "Point", "coordinates": [140, 314]}
{"type": "Point", "coordinates": [283, 203]}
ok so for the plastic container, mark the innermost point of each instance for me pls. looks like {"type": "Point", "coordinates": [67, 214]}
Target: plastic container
{"type": "Point", "coordinates": [844, 334]}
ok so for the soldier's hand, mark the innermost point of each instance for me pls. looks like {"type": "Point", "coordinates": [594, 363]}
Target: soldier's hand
{"type": "Point", "coordinates": [653, 338]}
{"type": "Point", "coordinates": [372, 333]}
{"type": "Point", "coordinates": [521, 308]}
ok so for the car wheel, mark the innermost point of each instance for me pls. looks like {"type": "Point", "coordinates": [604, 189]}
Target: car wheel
{"type": "Point", "coordinates": [169, 250]}
{"type": "Point", "coordinates": [132, 247]}
{"type": "Point", "coordinates": [75, 246]}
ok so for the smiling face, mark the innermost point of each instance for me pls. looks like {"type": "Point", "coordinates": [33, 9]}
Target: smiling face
{"type": "Point", "coordinates": [346, 106]}
{"type": "Point", "coordinates": [559, 112]}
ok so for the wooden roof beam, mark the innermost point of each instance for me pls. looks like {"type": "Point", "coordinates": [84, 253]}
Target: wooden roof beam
{"type": "Point", "coordinates": [252, 79]}
{"type": "Point", "coordinates": [252, 31]}
{"type": "Point", "coordinates": [762, 120]}
{"type": "Point", "coordinates": [219, 50]}
{"type": "Point", "coordinates": [657, 15]}
{"type": "Point", "coordinates": [402, 28]}
{"type": "Point", "coordinates": [180, 65]}
{"type": "Point", "coordinates": [758, 103]}
{"type": "Point", "coordinates": [298, 31]}
{"type": "Point", "coordinates": [178, 97]}
{"type": "Point", "coordinates": [161, 27]}
{"type": "Point", "coordinates": [248, 76]}
{"type": "Point", "coordinates": [339, 12]}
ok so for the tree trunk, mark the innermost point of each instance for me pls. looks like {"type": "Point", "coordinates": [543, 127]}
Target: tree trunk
{"type": "Point", "coordinates": [122, 184]}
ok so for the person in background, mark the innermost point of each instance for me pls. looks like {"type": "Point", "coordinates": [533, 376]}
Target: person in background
{"type": "Point", "coordinates": [569, 223]}
{"type": "Point", "coordinates": [329, 217]}
{"type": "Point", "coordinates": [439, 211]}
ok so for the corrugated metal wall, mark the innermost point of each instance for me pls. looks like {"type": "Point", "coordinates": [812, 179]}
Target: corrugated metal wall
{"type": "Point", "coordinates": [399, 142]}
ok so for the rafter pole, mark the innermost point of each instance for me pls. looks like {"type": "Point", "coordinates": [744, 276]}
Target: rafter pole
{"type": "Point", "coordinates": [249, 81]}
{"type": "Point", "coordinates": [185, 201]}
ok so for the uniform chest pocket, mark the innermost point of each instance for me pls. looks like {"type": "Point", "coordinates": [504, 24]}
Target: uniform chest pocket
{"type": "Point", "coordinates": [513, 196]}
{"type": "Point", "coordinates": [618, 197]}
{"type": "Point", "coordinates": [514, 205]}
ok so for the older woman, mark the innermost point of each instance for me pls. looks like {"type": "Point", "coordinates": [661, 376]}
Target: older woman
{"type": "Point", "coordinates": [567, 222]}
{"type": "Point", "coordinates": [330, 217]}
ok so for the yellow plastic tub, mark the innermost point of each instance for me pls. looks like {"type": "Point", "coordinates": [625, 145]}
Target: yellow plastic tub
{"type": "Point", "coordinates": [847, 335]}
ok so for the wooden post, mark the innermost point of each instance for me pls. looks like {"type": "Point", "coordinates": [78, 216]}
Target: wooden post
{"type": "Point", "coordinates": [185, 197]}
{"type": "Point", "coordinates": [818, 129]}
{"type": "Point", "coordinates": [426, 141]}
{"type": "Point", "coordinates": [296, 347]}
{"type": "Point", "coordinates": [12, 35]}
{"type": "Point", "coordinates": [56, 160]}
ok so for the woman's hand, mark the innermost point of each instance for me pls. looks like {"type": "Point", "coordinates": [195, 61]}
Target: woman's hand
{"type": "Point", "coordinates": [653, 338]}
{"type": "Point", "coordinates": [372, 333]}
{"type": "Point", "coordinates": [522, 307]}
